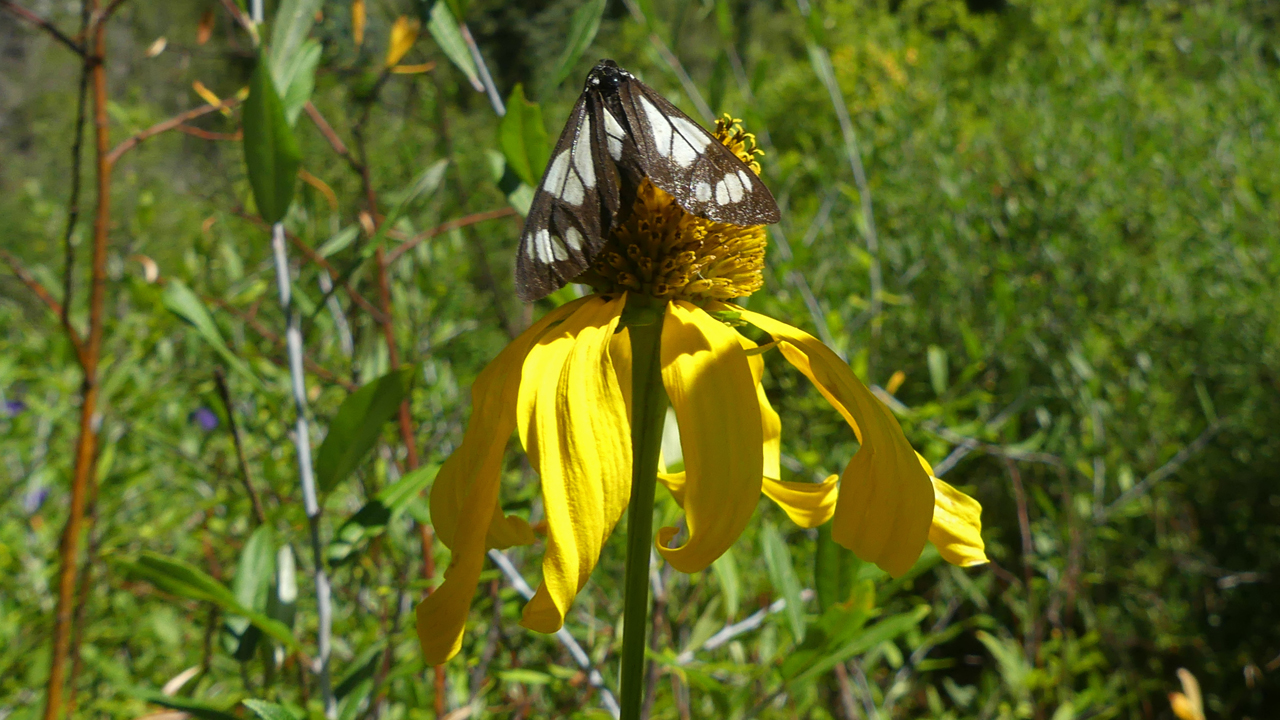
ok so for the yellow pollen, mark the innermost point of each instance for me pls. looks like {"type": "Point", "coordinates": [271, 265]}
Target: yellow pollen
{"type": "Point", "coordinates": [665, 252]}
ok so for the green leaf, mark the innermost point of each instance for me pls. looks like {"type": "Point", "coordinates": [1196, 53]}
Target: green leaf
{"type": "Point", "coordinates": [427, 182]}
{"type": "Point", "coordinates": [583, 27]}
{"type": "Point", "coordinates": [938, 373]}
{"type": "Point", "coordinates": [290, 28]}
{"type": "Point", "coordinates": [726, 569]}
{"type": "Point", "coordinates": [194, 708]}
{"type": "Point", "coordinates": [270, 150]}
{"type": "Point", "coordinates": [524, 138]}
{"type": "Point", "coordinates": [362, 668]}
{"type": "Point", "coordinates": [253, 578]}
{"type": "Point", "coordinates": [371, 520]}
{"type": "Point", "coordinates": [298, 79]}
{"type": "Point", "coordinates": [356, 428]}
{"type": "Point", "coordinates": [444, 28]}
{"type": "Point", "coordinates": [834, 570]}
{"type": "Point", "coordinates": [184, 580]}
{"type": "Point", "coordinates": [269, 711]}
{"type": "Point", "coordinates": [181, 301]}
{"type": "Point", "coordinates": [886, 629]}
{"type": "Point", "coordinates": [527, 677]}
{"type": "Point", "coordinates": [783, 575]}
{"type": "Point", "coordinates": [340, 241]}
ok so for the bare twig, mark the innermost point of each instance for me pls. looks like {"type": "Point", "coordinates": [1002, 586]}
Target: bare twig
{"type": "Point", "coordinates": [1031, 639]}
{"type": "Point", "coordinates": [220, 379]}
{"type": "Point", "coordinates": [315, 257]}
{"type": "Point", "coordinates": [483, 69]}
{"type": "Point", "coordinates": [175, 122]}
{"type": "Point", "coordinates": [302, 440]}
{"type": "Point", "coordinates": [1164, 471]}
{"type": "Point", "coordinates": [43, 24]}
{"type": "Point", "coordinates": [733, 630]}
{"type": "Point", "coordinates": [580, 656]}
{"type": "Point", "coordinates": [73, 202]}
{"type": "Point", "coordinates": [41, 292]}
{"type": "Point", "coordinates": [313, 367]}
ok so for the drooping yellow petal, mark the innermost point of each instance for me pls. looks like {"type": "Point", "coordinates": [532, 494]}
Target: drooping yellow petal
{"type": "Point", "coordinates": [464, 497]}
{"type": "Point", "coordinates": [709, 382]}
{"type": "Point", "coordinates": [404, 33]}
{"type": "Point", "coordinates": [957, 523]}
{"type": "Point", "coordinates": [885, 503]}
{"type": "Point", "coordinates": [807, 504]}
{"type": "Point", "coordinates": [358, 16]}
{"type": "Point", "coordinates": [574, 425]}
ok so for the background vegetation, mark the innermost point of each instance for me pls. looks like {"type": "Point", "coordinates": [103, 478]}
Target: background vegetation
{"type": "Point", "coordinates": [1067, 290]}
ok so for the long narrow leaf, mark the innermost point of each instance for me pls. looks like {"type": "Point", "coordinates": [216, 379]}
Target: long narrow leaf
{"type": "Point", "coordinates": [583, 27]}
{"type": "Point", "coordinates": [270, 151]}
{"type": "Point", "coordinates": [358, 424]}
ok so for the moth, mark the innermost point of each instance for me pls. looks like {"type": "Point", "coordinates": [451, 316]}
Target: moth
{"type": "Point", "coordinates": [619, 132]}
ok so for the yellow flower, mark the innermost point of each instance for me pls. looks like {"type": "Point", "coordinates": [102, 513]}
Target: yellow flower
{"type": "Point", "coordinates": [565, 385]}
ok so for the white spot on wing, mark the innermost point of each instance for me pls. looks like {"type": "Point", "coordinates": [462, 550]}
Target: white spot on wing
{"type": "Point", "coordinates": [573, 191]}
{"type": "Point", "coordinates": [556, 175]}
{"type": "Point", "coordinates": [702, 191]}
{"type": "Point", "coordinates": [682, 152]}
{"type": "Point", "coordinates": [615, 148]}
{"type": "Point", "coordinates": [612, 127]}
{"type": "Point", "coordinates": [722, 193]}
{"type": "Point", "coordinates": [557, 249]}
{"type": "Point", "coordinates": [746, 180]}
{"type": "Point", "coordinates": [573, 239]}
{"type": "Point", "coordinates": [696, 136]}
{"type": "Point", "coordinates": [661, 127]}
{"type": "Point", "coordinates": [582, 154]}
{"type": "Point", "coordinates": [542, 246]}
{"type": "Point", "coordinates": [734, 186]}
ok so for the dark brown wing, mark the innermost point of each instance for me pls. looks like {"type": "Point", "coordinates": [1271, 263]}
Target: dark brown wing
{"type": "Point", "coordinates": [679, 156]}
{"type": "Point", "coordinates": [572, 207]}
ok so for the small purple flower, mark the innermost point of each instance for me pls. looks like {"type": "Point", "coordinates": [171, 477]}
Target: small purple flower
{"type": "Point", "coordinates": [14, 408]}
{"type": "Point", "coordinates": [205, 418]}
{"type": "Point", "coordinates": [34, 499]}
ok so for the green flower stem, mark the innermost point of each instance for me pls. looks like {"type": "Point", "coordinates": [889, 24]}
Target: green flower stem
{"type": "Point", "coordinates": [648, 409]}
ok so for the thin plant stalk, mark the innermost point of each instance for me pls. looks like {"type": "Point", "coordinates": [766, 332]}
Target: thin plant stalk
{"type": "Point", "coordinates": [86, 457]}
{"type": "Point", "coordinates": [302, 439]}
{"type": "Point", "coordinates": [648, 409]}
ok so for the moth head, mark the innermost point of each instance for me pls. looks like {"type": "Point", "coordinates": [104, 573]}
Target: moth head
{"type": "Point", "coordinates": [606, 76]}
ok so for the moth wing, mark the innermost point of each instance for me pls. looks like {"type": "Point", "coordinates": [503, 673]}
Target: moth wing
{"type": "Point", "coordinates": [563, 232]}
{"type": "Point", "coordinates": [681, 157]}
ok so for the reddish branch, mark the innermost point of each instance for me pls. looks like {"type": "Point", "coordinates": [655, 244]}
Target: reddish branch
{"type": "Point", "coordinates": [41, 292]}
{"type": "Point", "coordinates": [43, 24]}
{"type": "Point", "coordinates": [320, 260]}
{"type": "Point", "coordinates": [464, 221]}
{"type": "Point", "coordinates": [86, 446]}
{"type": "Point", "coordinates": [318, 370]}
{"type": "Point", "coordinates": [175, 122]}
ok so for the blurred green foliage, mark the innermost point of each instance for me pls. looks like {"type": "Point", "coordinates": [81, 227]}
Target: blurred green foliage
{"type": "Point", "coordinates": [1075, 208]}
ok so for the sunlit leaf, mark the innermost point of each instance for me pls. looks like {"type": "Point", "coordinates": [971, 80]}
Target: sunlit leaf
{"type": "Point", "coordinates": [181, 301]}
{"type": "Point", "coordinates": [289, 31]}
{"type": "Point", "coordinates": [524, 137]}
{"type": "Point", "coordinates": [184, 580]}
{"type": "Point", "coordinates": [298, 78]}
{"type": "Point", "coordinates": [269, 711]}
{"type": "Point", "coordinates": [783, 574]}
{"type": "Point", "coordinates": [443, 26]}
{"type": "Point", "coordinates": [583, 27]}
